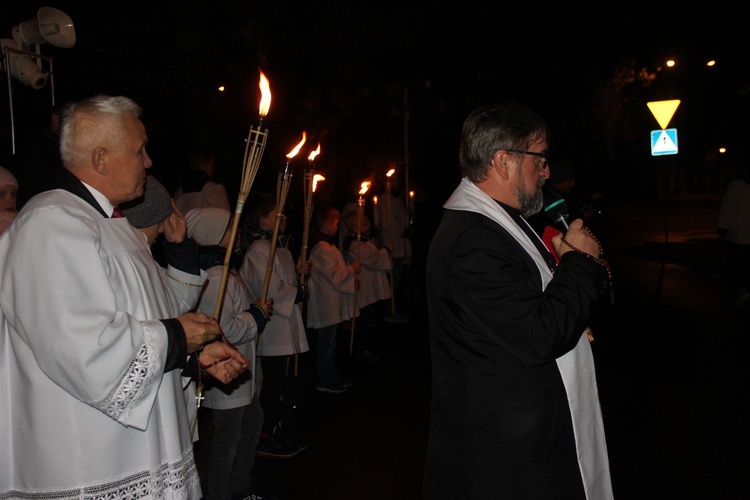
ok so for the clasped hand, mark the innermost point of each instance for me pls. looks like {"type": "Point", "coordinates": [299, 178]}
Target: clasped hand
{"type": "Point", "coordinates": [223, 361]}
{"type": "Point", "coordinates": [199, 330]}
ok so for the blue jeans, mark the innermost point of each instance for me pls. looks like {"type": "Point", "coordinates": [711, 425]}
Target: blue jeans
{"type": "Point", "coordinates": [236, 433]}
{"type": "Point", "coordinates": [326, 355]}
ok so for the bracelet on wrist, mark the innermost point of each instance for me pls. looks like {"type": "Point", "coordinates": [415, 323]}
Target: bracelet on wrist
{"type": "Point", "coordinates": [200, 363]}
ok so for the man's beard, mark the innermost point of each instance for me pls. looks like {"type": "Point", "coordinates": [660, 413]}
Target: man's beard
{"type": "Point", "coordinates": [530, 203]}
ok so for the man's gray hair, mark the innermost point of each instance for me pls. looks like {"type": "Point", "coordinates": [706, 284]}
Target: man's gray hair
{"type": "Point", "coordinates": [89, 123]}
{"type": "Point", "coordinates": [491, 128]}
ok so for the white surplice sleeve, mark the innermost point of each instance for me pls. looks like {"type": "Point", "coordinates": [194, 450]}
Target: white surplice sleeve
{"type": "Point", "coordinates": [90, 315]}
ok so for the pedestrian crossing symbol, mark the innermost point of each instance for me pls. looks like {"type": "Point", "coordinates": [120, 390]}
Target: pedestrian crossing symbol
{"type": "Point", "coordinates": [664, 142]}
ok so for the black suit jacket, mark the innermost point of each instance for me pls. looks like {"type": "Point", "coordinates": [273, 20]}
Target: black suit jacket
{"type": "Point", "coordinates": [500, 424]}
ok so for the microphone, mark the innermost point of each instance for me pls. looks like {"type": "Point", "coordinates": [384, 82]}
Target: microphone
{"type": "Point", "coordinates": [556, 208]}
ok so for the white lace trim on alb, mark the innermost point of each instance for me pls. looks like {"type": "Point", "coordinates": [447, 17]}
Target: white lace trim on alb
{"type": "Point", "coordinates": [144, 370]}
{"type": "Point", "coordinates": [171, 481]}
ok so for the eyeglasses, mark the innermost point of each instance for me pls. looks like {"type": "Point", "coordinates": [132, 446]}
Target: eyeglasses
{"type": "Point", "coordinates": [543, 156]}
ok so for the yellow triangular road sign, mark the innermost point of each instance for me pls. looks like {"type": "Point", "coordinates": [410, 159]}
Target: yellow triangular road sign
{"type": "Point", "coordinates": [663, 111]}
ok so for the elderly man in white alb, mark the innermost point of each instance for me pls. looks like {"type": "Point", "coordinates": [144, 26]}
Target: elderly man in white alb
{"type": "Point", "coordinates": [91, 345]}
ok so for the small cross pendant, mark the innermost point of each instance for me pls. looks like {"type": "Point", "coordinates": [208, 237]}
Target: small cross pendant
{"type": "Point", "coordinates": [199, 397]}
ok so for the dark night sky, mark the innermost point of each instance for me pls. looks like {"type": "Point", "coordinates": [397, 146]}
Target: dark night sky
{"type": "Point", "coordinates": [325, 58]}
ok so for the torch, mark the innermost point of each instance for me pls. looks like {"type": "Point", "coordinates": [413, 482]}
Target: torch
{"type": "Point", "coordinates": [375, 213]}
{"type": "Point", "coordinates": [254, 147]}
{"type": "Point", "coordinates": [282, 189]}
{"type": "Point", "coordinates": [390, 232]}
{"type": "Point", "coordinates": [311, 182]}
{"type": "Point", "coordinates": [360, 209]}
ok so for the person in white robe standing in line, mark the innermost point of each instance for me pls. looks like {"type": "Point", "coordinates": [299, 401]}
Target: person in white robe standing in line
{"type": "Point", "coordinates": [373, 296]}
{"type": "Point", "coordinates": [90, 357]}
{"type": "Point", "coordinates": [155, 214]}
{"type": "Point", "coordinates": [236, 414]}
{"type": "Point", "coordinates": [284, 339]}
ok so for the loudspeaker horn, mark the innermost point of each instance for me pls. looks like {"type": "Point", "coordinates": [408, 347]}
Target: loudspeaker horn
{"type": "Point", "coordinates": [50, 25]}
{"type": "Point", "coordinates": [22, 67]}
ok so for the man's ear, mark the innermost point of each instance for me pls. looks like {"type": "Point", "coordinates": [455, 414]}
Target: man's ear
{"type": "Point", "coordinates": [99, 160]}
{"type": "Point", "coordinates": [500, 163]}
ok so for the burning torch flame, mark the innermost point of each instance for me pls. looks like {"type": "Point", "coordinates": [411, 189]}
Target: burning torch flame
{"type": "Point", "coordinates": [374, 200]}
{"type": "Point", "coordinates": [296, 149]}
{"type": "Point", "coordinates": [411, 194]}
{"type": "Point", "coordinates": [390, 172]}
{"type": "Point", "coordinates": [317, 178]}
{"type": "Point", "coordinates": [265, 95]}
{"type": "Point", "coordinates": [313, 154]}
{"type": "Point", "coordinates": [364, 187]}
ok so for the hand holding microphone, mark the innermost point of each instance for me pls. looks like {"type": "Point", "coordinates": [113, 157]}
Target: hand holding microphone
{"type": "Point", "coordinates": [574, 233]}
{"type": "Point", "coordinates": [577, 238]}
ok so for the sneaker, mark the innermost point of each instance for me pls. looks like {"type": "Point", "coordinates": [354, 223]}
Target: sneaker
{"type": "Point", "coordinates": [258, 496]}
{"type": "Point", "coordinates": [271, 446]}
{"type": "Point", "coordinates": [286, 440]}
{"type": "Point", "coordinates": [252, 494]}
{"type": "Point", "coordinates": [332, 387]}
{"type": "Point", "coordinates": [346, 383]}
{"type": "Point", "coordinates": [396, 318]}
{"type": "Point", "coordinates": [367, 356]}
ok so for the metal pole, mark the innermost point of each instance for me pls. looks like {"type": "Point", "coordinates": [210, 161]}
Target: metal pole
{"type": "Point", "coordinates": [406, 153]}
{"type": "Point", "coordinates": [6, 57]}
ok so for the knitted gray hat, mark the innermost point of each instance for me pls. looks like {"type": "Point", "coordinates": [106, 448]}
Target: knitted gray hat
{"type": "Point", "coordinates": [152, 207]}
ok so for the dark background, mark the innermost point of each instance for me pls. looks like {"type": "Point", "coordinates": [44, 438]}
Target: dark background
{"type": "Point", "coordinates": [390, 83]}
{"type": "Point", "coordinates": [670, 354]}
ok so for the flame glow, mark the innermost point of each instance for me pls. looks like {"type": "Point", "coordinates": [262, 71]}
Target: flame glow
{"type": "Point", "coordinates": [265, 95]}
{"type": "Point", "coordinates": [390, 172]}
{"type": "Point", "coordinates": [291, 154]}
{"type": "Point", "coordinates": [375, 200]}
{"type": "Point", "coordinates": [317, 178]}
{"type": "Point", "coordinates": [411, 194]}
{"type": "Point", "coordinates": [364, 187]}
{"type": "Point", "coordinates": [313, 154]}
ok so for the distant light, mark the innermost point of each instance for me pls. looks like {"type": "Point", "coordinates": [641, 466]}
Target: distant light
{"type": "Point", "coordinates": [722, 150]}
{"type": "Point", "coordinates": [711, 63]}
{"type": "Point", "coordinates": [671, 63]}
{"type": "Point", "coordinates": [221, 88]}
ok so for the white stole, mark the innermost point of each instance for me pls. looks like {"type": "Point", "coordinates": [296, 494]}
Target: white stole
{"type": "Point", "coordinates": [576, 367]}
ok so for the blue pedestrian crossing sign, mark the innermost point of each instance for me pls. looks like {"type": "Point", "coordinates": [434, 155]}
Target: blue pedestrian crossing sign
{"type": "Point", "coordinates": [664, 142]}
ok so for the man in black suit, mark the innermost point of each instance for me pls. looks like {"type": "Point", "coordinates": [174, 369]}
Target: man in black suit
{"type": "Point", "coordinates": [515, 410]}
